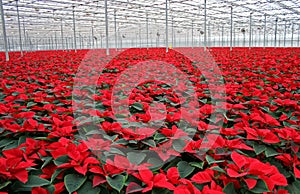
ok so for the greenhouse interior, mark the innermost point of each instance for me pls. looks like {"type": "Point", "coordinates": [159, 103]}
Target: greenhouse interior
{"type": "Point", "coordinates": [136, 96]}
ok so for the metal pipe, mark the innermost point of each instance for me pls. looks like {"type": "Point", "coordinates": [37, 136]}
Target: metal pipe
{"type": "Point", "coordinates": [24, 32]}
{"type": "Point", "coordinates": [116, 37]}
{"type": "Point", "coordinates": [205, 35]}
{"type": "Point", "coordinates": [223, 36]}
{"type": "Point", "coordinates": [93, 41]}
{"type": "Point", "coordinates": [121, 43]}
{"type": "Point", "coordinates": [74, 29]}
{"type": "Point", "coordinates": [265, 30]}
{"type": "Point", "coordinates": [231, 26]}
{"type": "Point", "coordinates": [284, 38]}
{"type": "Point", "coordinates": [292, 41]}
{"type": "Point", "coordinates": [175, 39]}
{"type": "Point", "coordinates": [172, 32]}
{"type": "Point", "coordinates": [192, 33]}
{"type": "Point", "coordinates": [62, 34]}
{"type": "Point", "coordinates": [275, 33]}
{"type": "Point", "coordinates": [214, 42]}
{"type": "Point", "coordinates": [101, 43]}
{"type": "Point", "coordinates": [234, 36]}
{"type": "Point", "coordinates": [250, 31]}
{"type": "Point", "coordinates": [55, 39]}
{"type": "Point", "coordinates": [4, 32]}
{"type": "Point", "coordinates": [106, 28]}
{"type": "Point", "coordinates": [140, 35]}
{"type": "Point", "coordinates": [51, 43]}
{"type": "Point", "coordinates": [298, 35]}
{"type": "Point", "coordinates": [219, 41]}
{"type": "Point", "coordinates": [167, 41]}
{"type": "Point", "coordinates": [209, 35]}
{"type": "Point", "coordinates": [67, 47]}
{"type": "Point", "coordinates": [19, 26]}
{"type": "Point", "coordinates": [147, 30]}
{"type": "Point", "coordinates": [8, 43]}
{"type": "Point", "coordinates": [80, 45]}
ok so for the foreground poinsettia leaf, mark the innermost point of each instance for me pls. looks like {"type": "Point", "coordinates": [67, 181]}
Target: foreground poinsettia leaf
{"type": "Point", "coordinates": [229, 189]}
{"type": "Point", "coordinates": [133, 188]}
{"type": "Point", "coordinates": [260, 187]}
{"type": "Point", "coordinates": [184, 169]}
{"type": "Point", "coordinates": [5, 184]}
{"type": "Point", "coordinates": [197, 164]}
{"type": "Point", "coordinates": [259, 148]}
{"type": "Point", "coordinates": [117, 182]}
{"type": "Point", "coordinates": [35, 181]}
{"type": "Point", "coordinates": [87, 188]}
{"type": "Point", "coordinates": [73, 182]}
{"type": "Point", "coordinates": [135, 157]}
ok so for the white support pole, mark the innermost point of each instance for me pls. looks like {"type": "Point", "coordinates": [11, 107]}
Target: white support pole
{"type": "Point", "coordinates": [219, 43]}
{"type": "Point", "coordinates": [175, 43]}
{"type": "Point", "coordinates": [275, 33]}
{"type": "Point", "coordinates": [55, 39]}
{"type": "Point", "coordinates": [222, 35]}
{"type": "Point", "coordinates": [19, 26]}
{"type": "Point", "coordinates": [74, 29]}
{"type": "Point", "coordinates": [140, 36]}
{"type": "Point", "coordinates": [244, 37]}
{"type": "Point", "coordinates": [172, 32]}
{"type": "Point", "coordinates": [192, 33]}
{"type": "Point", "coordinates": [167, 41]}
{"type": "Point", "coordinates": [298, 35]}
{"type": "Point", "coordinates": [116, 35]}
{"type": "Point", "coordinates": [4, 32]}
{"type": "Point", "coordinates": [8, 43]}
{"type": "Point", "coordinates": [284, 38]}
{"type": "Point", "coordinates": [250, 31]}
{"type": "Point", "coordinates": [259, 38]}
{"type": "Point", "coordinates": [62, 34]}
{"type": "Point", "coordinates": [93, 40]}
{"type": "Point", "coordinates": [209, 35]}
{"type": "Point", "coordinates": [80, 45]}
{"type": "Point", "coordinates": [231, 26]}
{"type": "Point", "coordinates": [24, 32]}
{"type": "Point", "coordinates": [186, 39]}
{"type": "Point", "coordinates": [51, 43]}
{"type": "Point", "coordinates": [147, 30]}
{"type": "Point", "coordinates": [292, 41]}
{"type": "Point", "coordinates": [265, 31]}
{"type": "Point", "coordinates": [121, 43]}
{"type": "Point", "coordinates": [67, 47]}
{"type": "Point", "coordinates": [234, 36]}
{"type": "Point", "coordinates": [205, 31]}
{"type": "Point", "coordinates": [106, 28]}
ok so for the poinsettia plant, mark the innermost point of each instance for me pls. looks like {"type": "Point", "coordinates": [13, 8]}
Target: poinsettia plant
{"type": "Point", "coordinates": [245, 142]}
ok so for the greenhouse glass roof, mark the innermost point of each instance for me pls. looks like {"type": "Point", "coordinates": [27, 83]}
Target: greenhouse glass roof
{"type": "Point", "coordinates": [42, 18]}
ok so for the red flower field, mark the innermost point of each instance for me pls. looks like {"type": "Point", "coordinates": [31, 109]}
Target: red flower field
{"type": "Point", "coordinates": [147, 121]}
